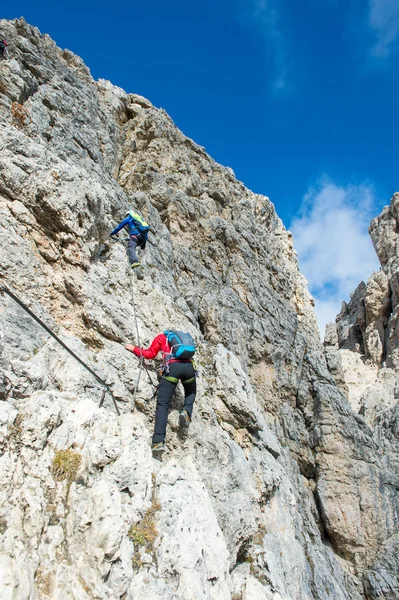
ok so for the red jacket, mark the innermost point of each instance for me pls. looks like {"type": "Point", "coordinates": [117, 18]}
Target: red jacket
{"type": "Point", "coordinates": [160, 343]}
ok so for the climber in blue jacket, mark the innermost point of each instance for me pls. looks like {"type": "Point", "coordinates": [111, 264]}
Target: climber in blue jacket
{"type": "Point", "coordinates": [138, 233]}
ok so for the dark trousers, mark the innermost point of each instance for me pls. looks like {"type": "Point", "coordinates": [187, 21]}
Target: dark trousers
{"type": "Point", "coordinates": [131, 249]}
{"type": "Point", "coordinates": [177, 370]}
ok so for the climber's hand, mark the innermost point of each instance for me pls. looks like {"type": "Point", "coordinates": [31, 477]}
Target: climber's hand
{"type": "Point", "coordinates": [130, 347]}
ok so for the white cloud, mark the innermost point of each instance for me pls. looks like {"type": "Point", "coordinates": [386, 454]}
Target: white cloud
{"type": "Point", "coordinates": [266, 17]}
{"type": "Point", "coordinates": [326, 311]}
{"type": "Point", "coordinates": [334, 249]}
{"type": "Point", "coordinates": [268, 21]}
{"type": "Point", "coordinates": [384, 22]}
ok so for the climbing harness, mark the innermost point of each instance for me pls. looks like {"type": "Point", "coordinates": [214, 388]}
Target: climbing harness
{"type": "Point", "coordinates": [107, 388]}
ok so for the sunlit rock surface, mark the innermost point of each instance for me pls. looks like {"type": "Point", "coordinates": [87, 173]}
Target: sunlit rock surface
{"type": "Point", "coordinates": [281, 490]}
{"type": "Point", "coordinates": [362, 354]}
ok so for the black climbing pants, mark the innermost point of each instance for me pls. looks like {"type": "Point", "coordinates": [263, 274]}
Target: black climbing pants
{"type": "Point", "coordinates": [177, 370]}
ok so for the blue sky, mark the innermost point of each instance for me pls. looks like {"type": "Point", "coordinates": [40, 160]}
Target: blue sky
{"type": "Point", "coordinates": [299, 98]}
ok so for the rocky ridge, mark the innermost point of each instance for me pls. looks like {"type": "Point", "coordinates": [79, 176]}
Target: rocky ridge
{"type": "Point", "coordinates": [362, 354]}
{"type": "Point", "coordinates": [282, 490]}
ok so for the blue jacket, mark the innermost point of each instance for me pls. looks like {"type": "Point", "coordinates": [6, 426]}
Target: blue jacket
{"type": "Point", "coordinates": [132, 226]}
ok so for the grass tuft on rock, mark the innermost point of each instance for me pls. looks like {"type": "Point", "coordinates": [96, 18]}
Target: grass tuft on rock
{"type": "Point", "coordinates": [145, 532]}
{"type": "Point", "coordinates": [65, 465]}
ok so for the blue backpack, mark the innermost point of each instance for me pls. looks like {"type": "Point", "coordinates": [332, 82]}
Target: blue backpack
{"type": "Point", "coordinates": [139, 222]}
{"type": "Point", "coordinates": [182, 344]}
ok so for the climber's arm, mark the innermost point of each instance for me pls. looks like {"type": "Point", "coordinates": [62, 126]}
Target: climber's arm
{"type": "Point", "coordinates": [150, 352]}
{"type": "Point", "coordinates": [120, 226]}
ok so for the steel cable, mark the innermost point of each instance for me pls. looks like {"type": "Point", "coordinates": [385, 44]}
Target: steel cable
{"type": "Point", "coordinates": [107, 388]}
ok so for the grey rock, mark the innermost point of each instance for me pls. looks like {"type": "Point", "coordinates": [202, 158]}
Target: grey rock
{"type": "Point", "coordinates": [279, 471]}
{"type": "Point", "coordinates": [382, 579]}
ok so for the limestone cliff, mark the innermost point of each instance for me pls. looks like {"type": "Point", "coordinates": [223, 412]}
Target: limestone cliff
{"type": "Point", "coordinates": [362, 354]}
{"type": "Point", "coordinates": [281, 491]}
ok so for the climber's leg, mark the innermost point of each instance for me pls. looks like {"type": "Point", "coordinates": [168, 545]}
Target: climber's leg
{"type": "Point", "coordinates": [190, 388]}
{"type": "Point", "coordinates": [167, 386]}
{"type": "Point", "coordinates": [131, 248]}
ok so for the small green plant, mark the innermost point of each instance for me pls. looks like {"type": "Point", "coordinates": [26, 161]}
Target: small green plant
{"type": "Point", "coordinates": [144, 532]}
{"type": "Point", "coordinates": [65, 465]}
{"type": "Point", "coordinates": [138, 537]}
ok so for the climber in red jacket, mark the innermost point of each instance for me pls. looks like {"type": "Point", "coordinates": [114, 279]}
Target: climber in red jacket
{"type": "Point", "coordinates": [3, 47]}
{"type": "Point", "coordinates": [174, 369]}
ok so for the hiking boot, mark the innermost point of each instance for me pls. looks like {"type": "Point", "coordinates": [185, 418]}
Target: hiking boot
{"type": "Point", "coordinates": [184, 419]}
{"type": "Point", "coordinates": [134, 265]}
{"type": "Point", "coordinates": [157, 449]}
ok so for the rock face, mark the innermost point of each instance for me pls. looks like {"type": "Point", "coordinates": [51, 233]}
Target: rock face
{"type": "Point", "coordinates": [281, 491]}
{"type": "Point", "coordinates": [362, 354]}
